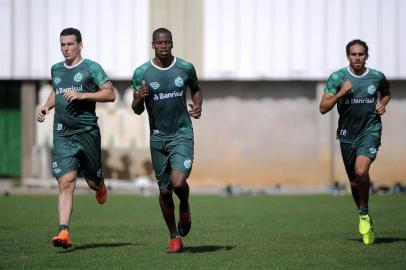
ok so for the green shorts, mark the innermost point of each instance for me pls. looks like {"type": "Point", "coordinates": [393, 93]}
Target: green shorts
{"type": "Point", "coordinates": [367, 146]}
{"type": "Point", "coordinates": [79, 152]}
{"type": "Point", "coordinates": [171, 154]}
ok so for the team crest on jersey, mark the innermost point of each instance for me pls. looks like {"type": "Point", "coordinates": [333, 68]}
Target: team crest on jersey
{"type": "Point", "coordinates": [57, 80]}
{"type": "Point", "coordinates": [371, 89]}
{"type": "Point", "coordinates": [99, 173]}
{"type": "Point", "coordinates": [154, 85]}
{"type": "Point", "coordinates": [179, 81]}
{"type": "Point", "coordinates": [78, 77]}
{"type": "Point", "coordinates": [187, 164]}
{"type": "Point", "coordinates": [372, 150]}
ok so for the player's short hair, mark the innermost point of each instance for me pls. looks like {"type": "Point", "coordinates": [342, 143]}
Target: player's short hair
{"type": "Point", "coordinates": [161, 31]}
{"type": "Point", "coordinates": [72, 31]}
{"type": "Point", "coordinates": [355, 42]}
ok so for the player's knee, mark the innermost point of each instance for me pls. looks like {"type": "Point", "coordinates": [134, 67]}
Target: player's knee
{"type": "Point", "coordinates": [177, 185]}
{"type": "Point", "coordinates": [178, 181]}
{"type": "Point", "coordinates": [361, 174]}
{"type": "Point", "coordinates": [66, 185]}
{"type": "Point", "coordinates": [165, 193]}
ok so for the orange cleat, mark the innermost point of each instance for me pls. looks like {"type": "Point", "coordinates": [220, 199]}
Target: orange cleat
{"type": "Point", "coordinates": [101, 194]}
{"type": "Point", "coordinates": [175, 245]}
{"type": "Point", "coordinates": [62, 240]}
{"type": "Point", "coordinates": [185, 222]}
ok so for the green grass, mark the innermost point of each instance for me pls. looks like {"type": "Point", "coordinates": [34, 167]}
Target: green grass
{"type": "Point", "coordinates": [241, 232]}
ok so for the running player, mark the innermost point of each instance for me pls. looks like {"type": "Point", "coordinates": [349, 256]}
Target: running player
{"type": "Point", "coordinates": [78, 84]}
{"type": "Point", "coordinates": [355, 91]}
{"type": "Point", "coordinates": [160, 85]}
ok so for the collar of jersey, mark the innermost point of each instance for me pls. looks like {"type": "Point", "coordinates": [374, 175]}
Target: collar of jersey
{"type": "Point", "coordinates": [358, 76]}
{"type": "Point", "coordinates": [160, 68]}
{"type": "Point", "coordinates": [70, 67]}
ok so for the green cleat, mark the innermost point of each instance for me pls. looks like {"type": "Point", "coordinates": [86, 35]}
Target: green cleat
{"type": "Point", "coordinates": [369, 238]}
{"type": "Point", "coordinates": [366, 229]}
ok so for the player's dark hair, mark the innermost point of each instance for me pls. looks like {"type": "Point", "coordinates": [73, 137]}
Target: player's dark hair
{"type": "Point", "coordinates": [355, 42]}
{"type": "Point", "coordinates": [72, 31]}
{"type": "Point", "coordinates": [161, 31]}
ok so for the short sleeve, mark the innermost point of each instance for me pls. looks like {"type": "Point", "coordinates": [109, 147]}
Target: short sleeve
{"type": "Point", "coordinates": [333, 84]}
{"type": "Point", "coordinates": [384, 85]}
{"type": "Point", "coordinates": [137, 78]}
{"type": "Point", "coordinates": [193, 81]}
{"type": "Point", "coordinates": [98, 74]}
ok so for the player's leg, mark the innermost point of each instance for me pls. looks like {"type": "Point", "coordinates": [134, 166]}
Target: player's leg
{"type": "Point", "coordinates": [355, 193]}
{"type": "Point", "coordinates": [366, 154]}
{"type": "Point", "coordinates": [348, 153]}
{"type": "Point", "coordinates": [64, 167]}
{"type": "Point", "coordinates": [362, 165]}
{"type": "Point", "coordinates": [160, 163]}
{"type": "Point", "coordinates": [65, 205]}
{"type": "Point", "coordinates": [181, 189]}
{"type": "Point", "coordinates": [181, 159]}
{"type": "Point", "coordinates": [65, 201]}
{"type": "Point", "coordinates": [90, 162]}
{"type": "Point", "coordinates": [365, 227]}
{"type": "Point", "coordinates": [167, 208]}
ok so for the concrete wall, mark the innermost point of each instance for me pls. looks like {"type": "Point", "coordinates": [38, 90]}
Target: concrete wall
{"type": "Point", "coordinates": [252, 133]}
{"type": "Point", "coordinates": [267, 133]}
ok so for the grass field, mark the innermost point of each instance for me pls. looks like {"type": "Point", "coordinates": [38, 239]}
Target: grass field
{"type": "Point", "coordinates": [241, 232]}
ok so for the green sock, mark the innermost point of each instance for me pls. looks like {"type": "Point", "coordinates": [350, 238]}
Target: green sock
{"type": "Point", "coordinates": [63, 227]}
{"type": "Point", "coordinates": [363, 211]}
{"type": "Point", "coordinates": [174, 234]}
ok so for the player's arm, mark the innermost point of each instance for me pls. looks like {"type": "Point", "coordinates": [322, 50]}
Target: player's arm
{"type": "Point", "coordinates": [49, 104]}
{"type": "Point", "coordinates": [383, 101]}
{"type": "Point", "coordinates": [329, 100]}
{"type": "Point", "coordinates": [104, 94]}
{"type": "Point", "coordinates": [197, 98]}
{"type": "Point", "coordinates": [139, 98]}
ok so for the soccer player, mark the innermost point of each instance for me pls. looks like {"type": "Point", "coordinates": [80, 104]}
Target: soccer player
{"type": "Point", "coordinates": [77, 85]}
{"type": "Point", "coordinates": [355, 91]}
{"type": "Point", "coordinates": [160, 85]}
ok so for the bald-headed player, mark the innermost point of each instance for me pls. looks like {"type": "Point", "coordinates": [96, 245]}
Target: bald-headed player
{"type": "Point", "coordinates": [77, 85]}
{"type": "Point", "coordinates": [355, 90]}
{"type": "Point", "coordinates": [160, 85]}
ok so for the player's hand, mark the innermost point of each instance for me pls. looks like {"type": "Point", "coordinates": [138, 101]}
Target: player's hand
{"type": "Point", "coordinates": [345, 88]}
{"type": "Point", "coordinates": [380, 108]}
{"type": "Point", "coordinates": [195, 111]}
{"type": "Point", "coordinates": [143, 93]}
{"type": "Point", "coordinates": [42, 114]}
{"type": "Point", "coordinates": [73, 95]}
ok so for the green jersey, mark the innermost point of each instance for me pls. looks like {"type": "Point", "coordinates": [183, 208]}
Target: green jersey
{"type": "Point", "coordinates": [356, 108]}
{"type": "Point", "coordinates": [76, 116]}
{"type": "Point", "coordinates": [166, 102]}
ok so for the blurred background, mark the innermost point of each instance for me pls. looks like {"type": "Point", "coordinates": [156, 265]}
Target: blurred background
{"type": "Point", "coordinates": [262, 64]}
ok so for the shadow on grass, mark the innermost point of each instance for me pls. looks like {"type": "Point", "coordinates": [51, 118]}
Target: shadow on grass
{"type": "Point", "coordinates": [98, 245]}
{"type": "Point", "coordinates": [203, 249]}
{"type": "Point", "coordinates": [384, 240]}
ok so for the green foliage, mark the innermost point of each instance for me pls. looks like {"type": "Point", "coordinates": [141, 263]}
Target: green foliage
{"type": "Point", "coordinates": [238, 232]}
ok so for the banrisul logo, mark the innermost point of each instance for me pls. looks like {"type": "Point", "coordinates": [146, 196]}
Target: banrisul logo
{"type": "Point", "coordinates": [78, 77]}
{"type": "Point", "coordinates": [179, 81]}
{"type": "Point", "coordinates": [371, 89]}
{"type": "Point", "coordinates": [57, 80]}
{"type": "Point", "coordinates": [187, 164]}
{"type": "Point", "coordinates": [154, 85]}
